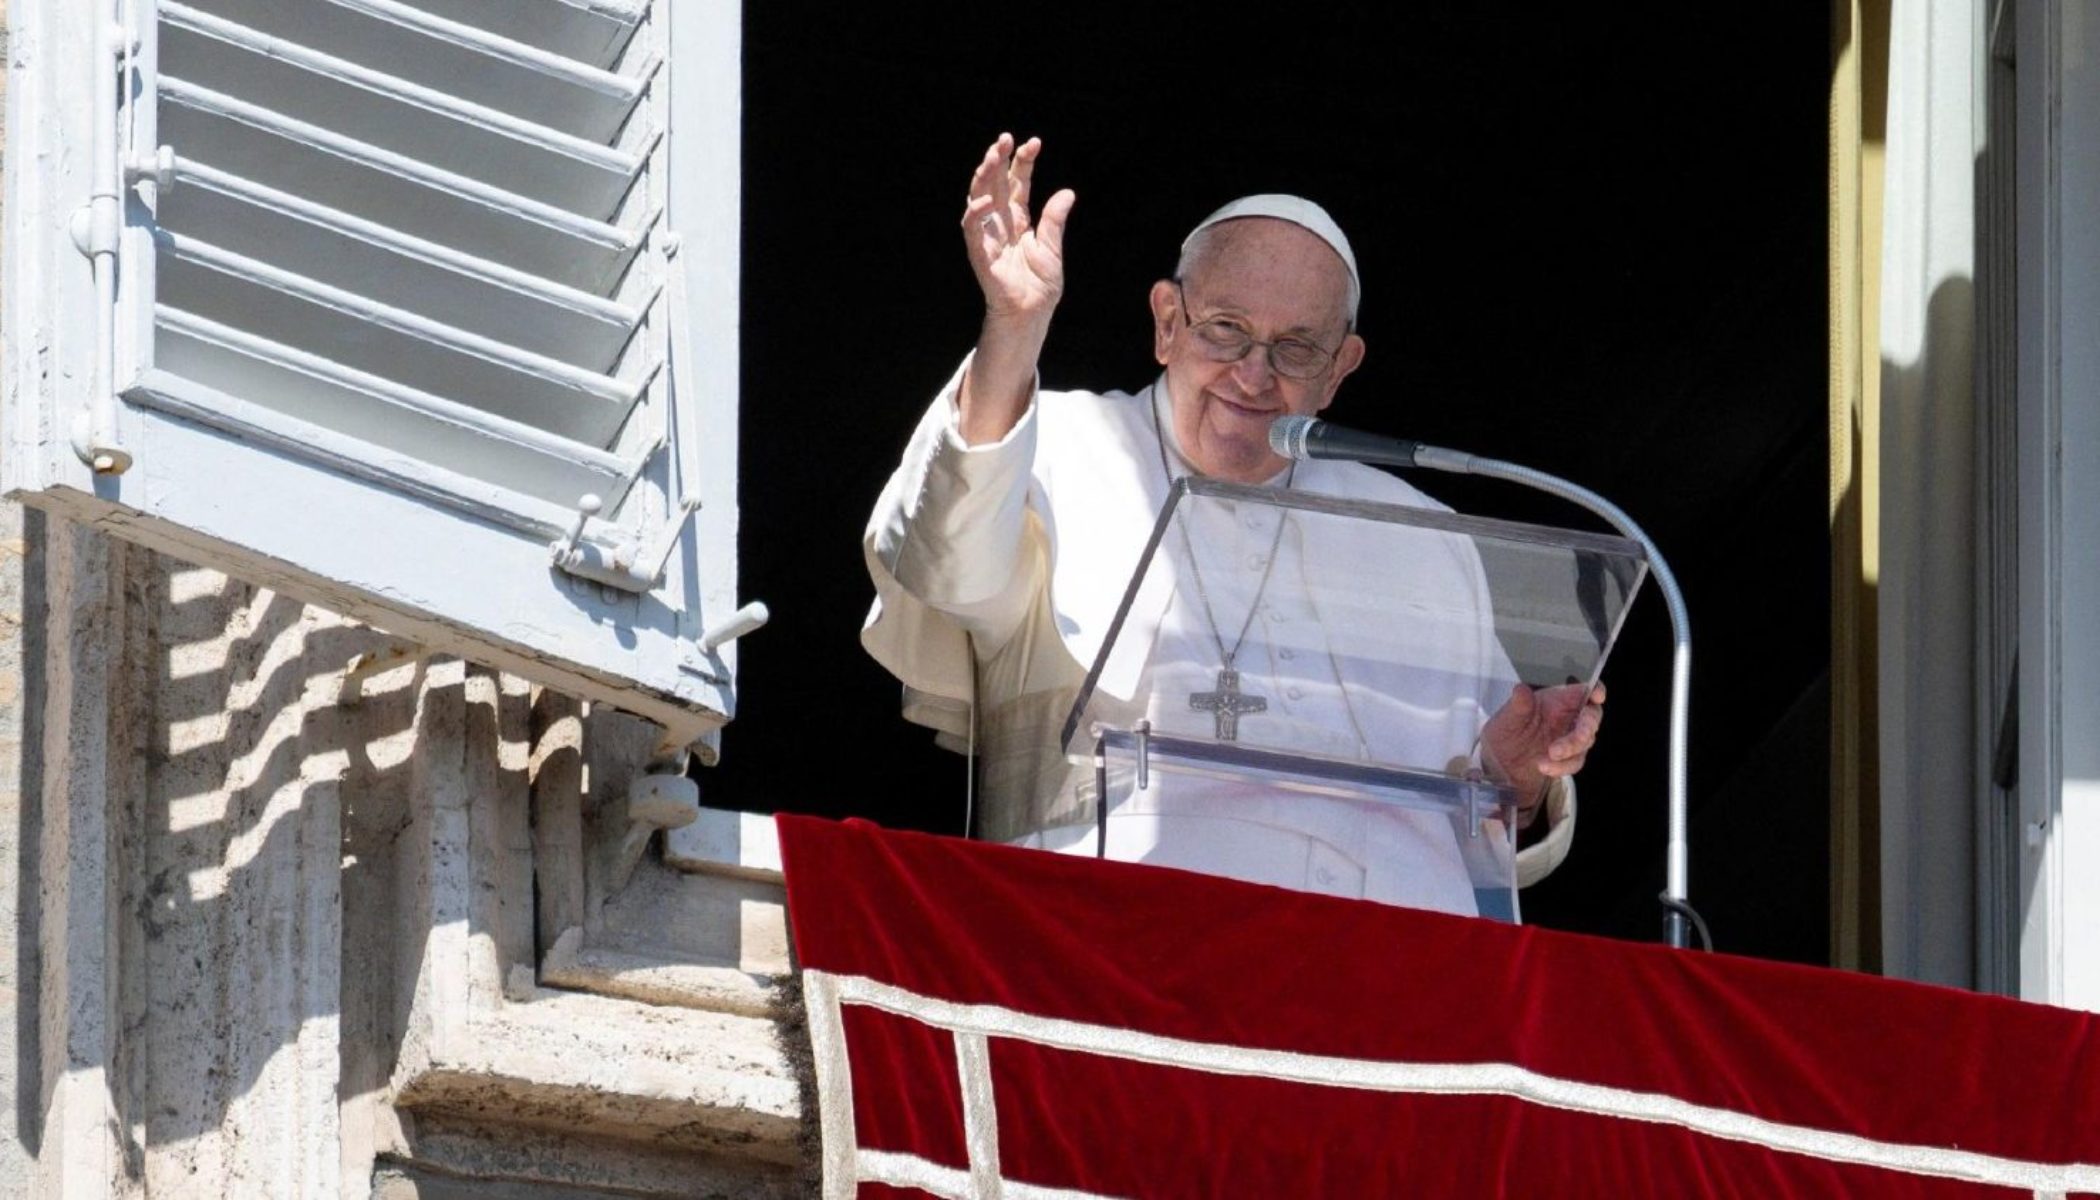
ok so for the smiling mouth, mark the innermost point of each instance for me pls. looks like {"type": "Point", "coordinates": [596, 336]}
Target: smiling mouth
{"type": "Point", "coordinates": [1247, 409]}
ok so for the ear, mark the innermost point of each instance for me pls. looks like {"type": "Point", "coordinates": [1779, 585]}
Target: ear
{"type": "Point", "coordinates": [1166, 319]}
{"type": "Point", "coordinates": [1346, 360]}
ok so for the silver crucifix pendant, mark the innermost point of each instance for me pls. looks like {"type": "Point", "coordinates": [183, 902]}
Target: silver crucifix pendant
{"type": "Point", "coordinates": [1227, 704]}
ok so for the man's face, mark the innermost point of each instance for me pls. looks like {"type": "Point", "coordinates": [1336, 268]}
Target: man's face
{"type": "Point", "coordinates": [1271, 280]}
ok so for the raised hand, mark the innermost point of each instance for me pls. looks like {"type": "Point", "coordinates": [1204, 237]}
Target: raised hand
{"type": "Point", "coordinates": [1540, 735]}
{"type": "Point", "coordinates": [1019, 263]}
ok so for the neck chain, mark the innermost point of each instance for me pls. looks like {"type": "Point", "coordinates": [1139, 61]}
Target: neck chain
{"type": "Point", "coordinates": [1226, 703]}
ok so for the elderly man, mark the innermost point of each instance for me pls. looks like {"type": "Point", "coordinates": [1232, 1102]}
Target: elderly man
{"type": "Point", "coordinates": [1001, 546]}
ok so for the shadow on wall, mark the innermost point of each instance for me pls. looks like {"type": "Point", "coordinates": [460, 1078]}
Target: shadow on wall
{"type": "Point", "coordinates": [1931, 772]}
{"type": "Point", "coordinates": [253, 807]}
{"type": "Point", "coordinates": [28, 1073]}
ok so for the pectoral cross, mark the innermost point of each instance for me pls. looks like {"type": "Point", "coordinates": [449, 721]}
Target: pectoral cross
{"type": "Point", "coordinates": [1227, 704]}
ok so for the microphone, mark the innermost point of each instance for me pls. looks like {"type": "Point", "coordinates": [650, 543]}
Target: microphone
{"type": "Point", "coordinates": [1299, 437]}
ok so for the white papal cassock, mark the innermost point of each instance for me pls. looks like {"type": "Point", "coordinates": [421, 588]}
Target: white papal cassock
{"type": "Point", "coordinates": [998, 570]}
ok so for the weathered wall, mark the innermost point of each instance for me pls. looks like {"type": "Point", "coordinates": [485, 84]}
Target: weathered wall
{"type": "Point", "coordinates": [17, 925]}
{"type": "Point", "coordinates": [278, 927]}
{"type": "Point", "coordinates": [17, 935]}
{"type": "Point", "coordinates": [239, 957]}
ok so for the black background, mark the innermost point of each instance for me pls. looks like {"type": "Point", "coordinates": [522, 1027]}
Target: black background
{"type": "Point", "coordinates": [1591, 239]}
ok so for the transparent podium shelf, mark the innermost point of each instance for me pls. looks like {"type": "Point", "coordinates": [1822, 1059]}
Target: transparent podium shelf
{"type": "Point", "coordinates": [1316, 693]}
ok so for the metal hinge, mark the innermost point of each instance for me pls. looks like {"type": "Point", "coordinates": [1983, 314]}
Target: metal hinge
{"type": "Point", "coordinates": [632, 565]}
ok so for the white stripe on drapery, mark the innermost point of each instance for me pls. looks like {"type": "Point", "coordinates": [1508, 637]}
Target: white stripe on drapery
{"type": "Point", "coordinates": [827, 1045]}
{"type": "Point", "coordinates": [973, 1062]}
{"type": "Point", "coordinates": [1503, 1079]}
{"type": "Point", "coordinates": [909, 1170]}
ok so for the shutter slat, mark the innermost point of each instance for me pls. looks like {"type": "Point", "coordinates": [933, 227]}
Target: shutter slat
{"type": "Point", "coordinates": [394, 344]}
{"type": "Point", "coordinates": [392, 295]}
{"type": "Point", "coordinates": [474, 62]}
{"type": "Point", "coordinates": [420, 199]}
{"type": "Point", "coordinates": [424, 277]}
{"type": "Point", "coordinates": [379, 110]}
{"type": "Point", "coordinates": [398, 419]}
{"type": "Point", "coordinates": [589, 31]}
{"type": "Point", "coordinates": [168, 392]}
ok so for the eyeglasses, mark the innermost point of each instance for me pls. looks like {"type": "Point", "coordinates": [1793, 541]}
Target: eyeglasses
{"type": "Point", "coordinates": [1224, 340]}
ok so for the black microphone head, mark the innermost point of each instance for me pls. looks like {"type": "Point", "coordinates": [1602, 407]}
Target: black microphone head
{"type": "Point", "coordinates": [1287, 435]}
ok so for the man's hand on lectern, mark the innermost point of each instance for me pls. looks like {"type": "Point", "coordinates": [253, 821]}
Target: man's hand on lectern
{"type": "Point", "coordinates": [1541, 734]}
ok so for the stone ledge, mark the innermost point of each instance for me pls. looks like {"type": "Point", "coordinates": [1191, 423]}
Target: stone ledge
{"type": "Point", "coordinates": [449, 1159]}
{"type": "Point", "coordinates": [595, 1065]}
{"type": "Point", "coordinates": [720, 842]}
{"type": "Point", "coordinates": [709, 987]}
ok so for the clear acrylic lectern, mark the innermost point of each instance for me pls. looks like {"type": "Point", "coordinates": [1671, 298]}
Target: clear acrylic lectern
{"type": "Point", "coordinates": [1295, 688]}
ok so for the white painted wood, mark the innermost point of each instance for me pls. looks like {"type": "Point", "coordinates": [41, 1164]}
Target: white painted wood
{"type": "Point", "coordinates": [414, 274]}
{"type": "Point", "coordinates": [2078, 391]}
{"type": "Point", "coordinates": [2040, 873]}
{"type": "Point", "coordinates": [2058, 86]}
{"type": "Point", "coordinates": [413, 350]}
{"type": "Point", "coordinates": [271, 427]}
{"type": "Point", "coordinates": [425, 200]}
{"type": "Point", "coordinates": [590, 31]}
{"type": "Point", "coordinates": [486, 63]}
{"type": "Point", "coordinates": [395, 305]}
{"type": "Point", "coordinates": [47, 342]}
{"type": "Point", "coordinates": [625, 649]}
{"type": "Point", "coordinates": [707, 83]}
{"type": "Point", "coordinates": [383, 110]}
{"type": "Point", "coordinates": [1928, 428]}
{"type": "Point", "coordinates": [2068, 372]}
{"type": "Point", "coordinates": [211, 357]}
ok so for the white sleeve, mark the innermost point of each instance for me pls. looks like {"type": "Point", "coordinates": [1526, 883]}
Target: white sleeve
{"type": "Point", "coordinates": [948, 548]}
{"type": "Point", "coordinates": [1536, 861]}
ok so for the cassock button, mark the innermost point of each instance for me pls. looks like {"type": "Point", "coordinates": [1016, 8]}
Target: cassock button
{"type": "Point", "coordinates": [1255, 562]}
{"type": "Point", "coordinates": [1294, 693]}
{"type": "Point", "coordinates": [1286, 654]}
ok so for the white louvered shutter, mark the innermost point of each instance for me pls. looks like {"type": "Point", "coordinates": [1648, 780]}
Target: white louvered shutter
{"type": "Point", "coordinates": [424, 310]}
